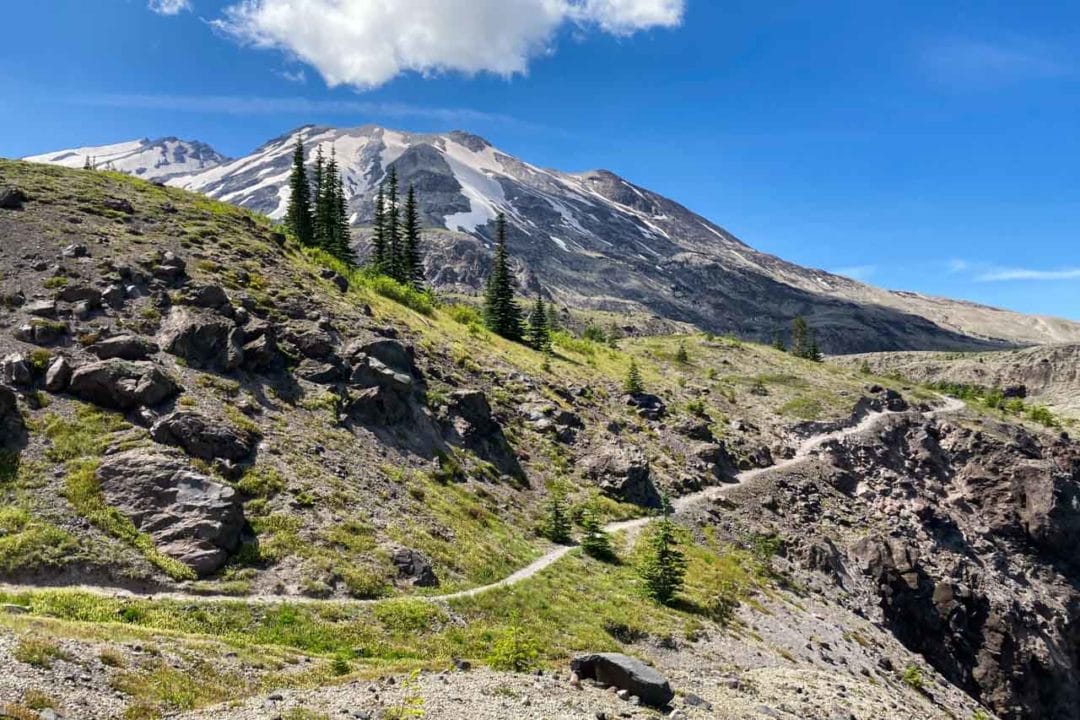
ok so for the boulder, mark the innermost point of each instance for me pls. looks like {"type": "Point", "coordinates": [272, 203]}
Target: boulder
{"type": "Point", "coordinates": [206, 296]}
{"type": "Point", "coordinates": [41, 332]}
{"type": "Point", "coordinates": [189, 516]}
{"type": "Point", "coordinates": [121, 384]}
{"type": "Point", "coordinates": [378, 406]}
{"type": "Point", "coordinates": [42, 308]}
{"type": "Point", "coordinates": [11, 421]}
{"type": "Point", "coordinates": [260, 353]}
{"type": "Point", "coordinates": [467, 421]}
{"type": "Point", "coordinates": [320, 373]}
{"type": "Point", "coordinates": [205, 340]}
{"type": "Point", "coordinates": [114, 296]}
{"type": "Point", "coordinates": [625, 673]}
{"type": "Point", "coordinates": [372, 372]}
{"type": "Point", "coordinates": [203, 437]}
{"type": "Point", "coordinates": [170, 268]}
{"type": "Point", "coordinates": [695, 429]}
{"type": "Point", "coordinates": [80, 293]}
{"type": "Point", "coordinates": [415, 567]}
{"type": "Point", "coordinates": [12, 198]}
{"type": "Point", "coordinates": [9, 402]}
{"type": "Point", "coordinates": [317, 344]}
{"type": "Point", "coordinates": [125, 347]}
{"type": "Point", "coordinates": [15, 370]}
{"type": "Point", "coordinates": [649, 406]}
{"type": "Point", "coordinates": [119, 205]}
{"type": "Point", "coordinates": [58, 375]}
{"type": "Point", "coordinates": [622, 473]}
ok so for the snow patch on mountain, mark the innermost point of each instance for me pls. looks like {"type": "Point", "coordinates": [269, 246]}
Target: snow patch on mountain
{"type": "Point", "coordinates": [149, 159]}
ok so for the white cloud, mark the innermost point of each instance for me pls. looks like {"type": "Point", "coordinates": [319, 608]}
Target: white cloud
{"type": "Point", "coordinates": [170, 7]}
{"type": "Point", "coordinates": [1005, 274]}
{"type": "Point", "coordinates": [970, 64]}
{"type": "Point", "coordinates": [365, 43]}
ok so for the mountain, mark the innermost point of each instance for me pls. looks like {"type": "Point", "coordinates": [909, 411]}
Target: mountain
{"type": "Point", "coordinates": [593, 239]}
{"type": "Point", "coordinates": [148, 159]}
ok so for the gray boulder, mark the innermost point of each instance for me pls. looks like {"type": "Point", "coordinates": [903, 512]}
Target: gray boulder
{"type": "Point", "coordinates": [203, 437]}
{"type": "Point", "coordinates": [372, 372]}
{"type": "Point", "coordinates": [649, 406]}
{"type": "Point", "coordinates": [12, 198]}
{"type": "Point", "coordinates": [42, 308]}
{"type": "Point", "coordinates": [415, 567]}
{"type": "Point", "coordinates": [625, 673]}
{"type": "Point", "coordinates": [189, 516]}
{"type": "Point", "coordinates": [467, 421]}
{"type": "Point", "coordinates": [205, 340]}
{"type": "Point", "coordinates": [378, 406]}
{"type": "Point", "coordinates": [15, 370]}
{"type": "Point", "coordinates": [125, 347]}
{"type": "Point", "coordinates": [622, 473]}
{"type": "Point", "coordinates": [80, 293]}
{"type": "Point", "coordinates": [320, 373]}
{"type": "Point", "coordinates": [122, 385]}
{"type": "Point", "coordinates": [58, 375]}
{"type": "Point", "coordinates": [207, 296]}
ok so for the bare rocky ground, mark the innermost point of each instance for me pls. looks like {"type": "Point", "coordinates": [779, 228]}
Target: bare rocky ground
{"type": "Point", "coordinates": [1048, 374]}
{"type": "Point", "coordinates": [193, 405]}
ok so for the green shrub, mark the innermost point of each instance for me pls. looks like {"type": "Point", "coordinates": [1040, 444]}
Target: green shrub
{"type": "Point", "coordinates": [913, 677]}
{"type": "Point", "coordinates": [514, 651]}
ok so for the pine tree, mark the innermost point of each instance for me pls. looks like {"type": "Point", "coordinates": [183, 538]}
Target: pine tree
{"type": "Point", "coordinates": [553, 318]}
{"type": "Point", "coordinates": [341, 228]}
{"type": "Point", "coordinates": [800, 337]}
{"type": "Point", "coordinates": [379, 250]}
{"type": "Point", "coordinates": [813, 352]}
{"type": "Point", "coordinates": [298, 217]}
{"type": "Point", "coordinates": [778, 341]}
{"type": "Point", "coordinates": [557, 522]}
{"type": "Point", "coordinates": [633, 383]}
{"type": "Point", "coordinates": [412, 264]}
{"type": "Point", "coordinates": [501, 312]}
{"type": "Point", "coordinates": [595, 542]}
{"type": "Point", "coordinates": [681, 356]}
{"type": "Point", "coordinates": [320, 217]}
{"type": "Point", "coordinates": [393, 228]}
{"type": "Point", "coordinates": [663, 566]}
{"type": "Point", "coordinates": [539, 335]}
{"type": "Point", "coordinates": [87, 165]}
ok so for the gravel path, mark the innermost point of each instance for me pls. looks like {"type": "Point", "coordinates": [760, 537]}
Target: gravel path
{"type": "Point", "coordinates": [631, 527]}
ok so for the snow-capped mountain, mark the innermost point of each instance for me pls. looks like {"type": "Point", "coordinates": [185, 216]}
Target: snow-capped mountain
{"type": "Point", "coordinates": [149, 159]}
{"type": "Point", "coordinates": [592, 239]}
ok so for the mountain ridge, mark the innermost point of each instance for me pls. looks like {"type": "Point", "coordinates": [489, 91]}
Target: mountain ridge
{"type": "Point", "coordinates": [594, 239]}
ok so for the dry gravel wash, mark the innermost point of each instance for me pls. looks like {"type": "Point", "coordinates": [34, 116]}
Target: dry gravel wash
{"type": "Point", "coordinates": [630, 527]}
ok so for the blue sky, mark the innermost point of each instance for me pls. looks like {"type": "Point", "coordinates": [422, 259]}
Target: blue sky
{"type": "Point", "coordinates": [927, 146]}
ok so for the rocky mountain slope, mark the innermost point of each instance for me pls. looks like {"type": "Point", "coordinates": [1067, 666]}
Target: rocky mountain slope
{"type": "Point", "coordinates": [1047, 375]}
{"type": "Point", "coordinates": [595, 240]}
{"type": "Point", "coordinates": [238, 480]}
{"type": "Point", "coordinates": [158, 160]}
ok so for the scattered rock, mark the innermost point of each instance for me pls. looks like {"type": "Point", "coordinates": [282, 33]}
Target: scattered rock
{"type": "Point", "coordinates": [467, 421]}
{"type": "Point", "coordinates": [622, 473]}
{"type": "Point", "coordinates": [15, 370]}
{"type": "Point", "coordinates": [119, 205]}
{"type": "Point", "coordinates": [42, 308]}
{"type": "Point", "coordinates": [12, 198]}
{"type": "Point", "coordinates": [648, 406]}
{"type": "Point", "coordinates": [58, 375]}
{"type": "Point", "coordinates": [205, 340]}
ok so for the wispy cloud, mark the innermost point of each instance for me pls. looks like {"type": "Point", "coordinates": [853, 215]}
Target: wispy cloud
{"type": "Point", "coordinates": [254, 105]}
{"type": "Point", "coordinates": [169, 7]}
{"type": "Point", "coordinates": [1006, 274]}
{"type": "Point", "coordinates": [295, 76]}
{"type": "Point", "coordinates": [857, 272]}
{"type": "Point", "coordinates": [971, 64]}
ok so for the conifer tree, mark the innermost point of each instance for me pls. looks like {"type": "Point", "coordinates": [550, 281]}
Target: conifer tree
{"type": "Point", "coordinates": [813, 352]}
{"type": "Point", "coordinates": [553, 318]}
{"type": "Point", "coordinates": [800, 337]}
{"type": "Point", "coordinates": [681, 355]}
{"type": "Point", "coordinates": [501, 312]}
{"type": "Point", "coordinates": [411, 262]}
{"type": "Point", "coordinates": [557, 522]}
{"type": "Point", "coordinates": [379, 250]}
{"type": "Point", "coordinates": [298, 217]}
{"type": "Point", "coordinates": [595, 542]}
{"type": "Point", "coordinates": [539, 335]}
{"type": "Point", "coordinates": [86, 165]}
{"type": "Point", "coordinates": [342, 234]}
{"type": "Point", "coordinates": [633, 383]}
{"type": "Point", "coordinates": [778, 341]}
{"type": "Point", "coordinates": [392, 221]}
{"type": "Point", "coordinates": [320, 217]}
{"type": "Point", "coordinates": [663, 565]}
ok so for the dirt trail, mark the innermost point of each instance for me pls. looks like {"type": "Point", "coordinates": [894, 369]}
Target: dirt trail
{"type": "Point", "coordinates": [631, 527]}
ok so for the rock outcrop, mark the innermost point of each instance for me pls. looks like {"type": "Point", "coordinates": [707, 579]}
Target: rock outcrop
{"type": "Point", "coordinates": [205, 340]}
{"type": "Point", "coordinates": [203, 437]}
{"type": "Point", "coordinates": [468, 422]}
{"type": "Point", "coordinates": [622, 473]}
{"type": "Point", "coordinates": [189, 516]}
{"type": "Point", "coordinates": [122, 385]}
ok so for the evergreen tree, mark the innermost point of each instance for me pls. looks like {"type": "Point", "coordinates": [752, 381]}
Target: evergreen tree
{"type": "Point", "coordinates": [341, 229]}
{"type": "Point", "coordinates": [557, 522]}
{"type": "Point", "coordinates": [501, 312]}
{"type": "Point", "coordinates": [633, 383]}
{"type": "Point", "coordinates": [379, 250]}
{"type": "Point", "coordinates": [393, 228]}
{"type": "Point", "coordinates": [553, 318]}
{"type": "Point", "coordinates": [411, 262]}
{"type": "Point", "coordinates": [778, 341]}
{"type": "Point", "coordinates": [86, 165]}
{"type": "Point", "coordinates": [595, 542]}
{"type": "Point", "coordinates": [320, 216]}
{"type": "Point", "coordinates": [800, 337]}
{"type": "Point", "coordinates": [663, 565]}
{"type": "Point", "coordinates": [813, 352]}
{"type": "Point", "coordinates": [298, 217]}
{"type": "Point", "coordinates": [539, 335]}
{"type": "Point", "coordinates": [681, 356]}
